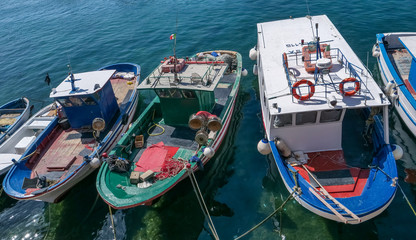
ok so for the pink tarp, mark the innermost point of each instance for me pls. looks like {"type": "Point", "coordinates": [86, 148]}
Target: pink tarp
{"type": "Point", "coordinates": [154, 157]}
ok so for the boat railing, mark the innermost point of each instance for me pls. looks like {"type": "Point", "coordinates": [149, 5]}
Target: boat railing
{"type": "Point", "coordinates": [354, 71]}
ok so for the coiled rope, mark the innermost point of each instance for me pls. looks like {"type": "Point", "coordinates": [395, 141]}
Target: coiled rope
{"type": "Point", "coordinates": [268, 217]}
{"type": "Point", "coordinates": [154, 126]}
{"type": "Point", "coordinates": [202, 203]}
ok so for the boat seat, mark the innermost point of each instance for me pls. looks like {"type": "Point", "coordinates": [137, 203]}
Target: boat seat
{"type": "Point", "coordinates": [23, 144]}
{"type": "Point", "coordinates": [38, 124]}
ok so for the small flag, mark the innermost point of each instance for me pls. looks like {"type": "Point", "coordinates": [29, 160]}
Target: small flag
{"type": "Point", "coordinates": [47, 79]}
{"type": "Point", "coordinates": [173, 36]}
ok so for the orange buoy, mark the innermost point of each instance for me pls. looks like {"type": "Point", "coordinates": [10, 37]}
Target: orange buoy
{"type": "Point", "coordinates": [352, 92]}
{"type": "Point", "coordinates": [303, 97]}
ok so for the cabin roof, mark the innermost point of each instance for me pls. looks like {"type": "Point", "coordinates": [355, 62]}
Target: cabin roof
{"type": "Point", "coordinates": [409, 43]}
{"type": "Point", "coordinates": [84, 83]}
{"type": "Point", "coordinates": [193, 76]}
{"type": "Point", "coordinates": [284, 36]}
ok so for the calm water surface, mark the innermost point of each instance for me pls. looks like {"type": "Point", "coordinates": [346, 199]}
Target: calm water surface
{"type": "Point", "coordinates": [240, 186]}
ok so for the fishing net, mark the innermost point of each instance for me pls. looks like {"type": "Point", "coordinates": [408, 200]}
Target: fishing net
{"type": "Point", "coordinates": [170, 168]}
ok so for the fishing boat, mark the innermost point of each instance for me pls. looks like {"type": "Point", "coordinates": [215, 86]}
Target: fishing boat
{"type": "Point", "coordinates": [12, 115]}
{"type": "Point", "coordinates": [395, 53]}
{"type": "Point", "coordinates": [93, 110]}
{"type": "Point", "coordinates": [180, 129]}
{"type": "Point", "coordinates": [318, 101]}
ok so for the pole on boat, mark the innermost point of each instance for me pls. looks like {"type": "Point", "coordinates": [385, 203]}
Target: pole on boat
{"type": "Point", "coordinates": [386, 124]}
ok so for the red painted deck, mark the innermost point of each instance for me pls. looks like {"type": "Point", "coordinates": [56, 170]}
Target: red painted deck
{"type": "Point", "coordinates": [334, 160]}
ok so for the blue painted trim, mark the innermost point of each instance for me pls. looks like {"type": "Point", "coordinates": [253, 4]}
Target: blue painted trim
{"type": "Point", "coordinates": [408, 116]}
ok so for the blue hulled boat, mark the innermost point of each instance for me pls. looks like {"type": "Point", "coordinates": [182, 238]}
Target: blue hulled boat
{"type": "Point", "coordinates": [396, 57]}
{"type": "Point", "coordinates": [316, 97]}
{"type": "Point", "coordinates": [93, 110]}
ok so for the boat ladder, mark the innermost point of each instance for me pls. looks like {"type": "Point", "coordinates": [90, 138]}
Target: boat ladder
{"type": "Point", "coordinates": [331, 203]}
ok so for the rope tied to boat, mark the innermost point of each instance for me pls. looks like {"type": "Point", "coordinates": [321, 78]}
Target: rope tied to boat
{"type": "Point", "coordinates": [112, 222]}
{"type": "Point", "coordinates": [268, 217]}
{"type": "Point", "coordinates": [201, 201]}
{"type": "Point", "coordinates": [395, 182]}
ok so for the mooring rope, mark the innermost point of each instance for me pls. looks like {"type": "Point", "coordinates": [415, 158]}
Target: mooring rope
{"type": "Point", "coordinates": [49, 222]}
{"type": "Point", "coordinates": [1, 190]}
{"type": "Point", "coordinates": [112, 222]}
{"type": "Point", "coordinates": [202, 202]}
{"type": "Point", "coordinates": [407, 200]}
{"type": "Point", "coordinates": [268, 217]}
{"type": "Point", "coordinates": [396, 182]}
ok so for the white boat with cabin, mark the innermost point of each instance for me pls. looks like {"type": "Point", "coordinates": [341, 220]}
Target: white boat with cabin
{"type": "Point", "coordinates": [316, 97]}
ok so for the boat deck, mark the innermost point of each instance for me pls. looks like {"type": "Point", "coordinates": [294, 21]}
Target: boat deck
{"type": "Point", "coordinates": [334, 174]}
{"type": "Point", "coordinates": [402, 61]}
{"type": "Point", "coordinates": [64, 151]}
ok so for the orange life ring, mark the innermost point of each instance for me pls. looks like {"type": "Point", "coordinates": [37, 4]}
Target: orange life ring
{"type": "Point", "coordinates": [352, 92]}
{"type": "Point", "coordinates": [285, 60]}
{"type": "Point", "coordinates": [303, 97]}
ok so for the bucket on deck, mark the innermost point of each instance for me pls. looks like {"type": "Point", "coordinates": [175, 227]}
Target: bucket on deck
{"type": "Point", "coordinates": [214, 123]}
{"type": "Point", "coordinates": [196, 121]}
{"type": "Point", "coordinates": [64, 123]}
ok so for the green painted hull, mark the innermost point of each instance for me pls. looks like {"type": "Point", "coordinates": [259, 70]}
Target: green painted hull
{"type": "Point", "coordinates": [115, 188]}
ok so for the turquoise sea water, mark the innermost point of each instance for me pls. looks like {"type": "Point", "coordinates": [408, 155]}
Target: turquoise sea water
{"type": "Point", "coordinates": [240, 186]}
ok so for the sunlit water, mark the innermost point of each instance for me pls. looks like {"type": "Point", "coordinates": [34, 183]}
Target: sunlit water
{"type": "Point", "coordinates": [241, 187]}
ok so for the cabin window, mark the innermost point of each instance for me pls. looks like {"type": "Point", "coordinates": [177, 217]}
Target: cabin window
{"type": "Point", "coordinates": [306, 117]}
{"type": "Point", "coordinates": [282, 120]}
{"type": "Point", "coordinates": [89, 101]}
{"type": "Point", "coordinates": [188, 94]}
{"type": "Point", "coordinates": [75, 101]}
{"type": "Point", "coordinates": [65, 102]}
{"type": "Point", "coordinates": [330, 115]}
{"type": "Point", "coordinates": [169, 93]}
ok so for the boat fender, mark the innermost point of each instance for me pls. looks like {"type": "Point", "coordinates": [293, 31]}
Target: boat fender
{"type": "Point", "coordinates": [303, 97]}
{"type": "Point", "coordinates": [376, 51]}
{"type": "Point", "coordinates": [397, 151]}
{"type": "Point", "coordinates": [253, 54]}
{"type": "Point", "coordinates": [352, 92]}
{"type": "Point", "coordinates": [255, 70]}
{"type": "Point", "coordinates": [394, 96]}
{"type": "Point", "coordinates": [95, 163]}
{"type": "Point", "coordinates": [263, 147]}
{"type": "Point", "coordinates": [388, 88]}
{"type": "Point", "coordinates": [209, 152]}
{"type": "Point", "coordinates": [244, 72]}
{"type": "Point", "coordinates": [283, 148]}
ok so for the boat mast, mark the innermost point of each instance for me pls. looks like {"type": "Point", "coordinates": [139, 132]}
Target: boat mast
{"type": "Point", "coordinates": [175, 74]}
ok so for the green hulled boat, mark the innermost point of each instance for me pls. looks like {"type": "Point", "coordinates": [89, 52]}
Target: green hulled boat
{"type": "Point", "coordinates": [181, 128]}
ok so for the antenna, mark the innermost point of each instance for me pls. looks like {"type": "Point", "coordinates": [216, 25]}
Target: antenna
{"type": "Point", "coordinates": [72, 78]}
{"type": "Point", "coordinates": [175, 74]}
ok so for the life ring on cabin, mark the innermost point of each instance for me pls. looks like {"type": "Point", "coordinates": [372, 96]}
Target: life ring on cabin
{"type": "Point", "coordinates": [352, 92]}
{"type": "Point", "coordinates": [285, 60]}
{"type": "Point", "coordinates": [303, 97]}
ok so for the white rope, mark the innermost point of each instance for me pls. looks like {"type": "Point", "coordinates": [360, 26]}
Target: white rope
{"type": "Point", "coordinates": [202, 203]}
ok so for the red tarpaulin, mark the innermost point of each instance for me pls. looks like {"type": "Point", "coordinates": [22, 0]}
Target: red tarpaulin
{"type": "Point", "coordinates": [154, 157]}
